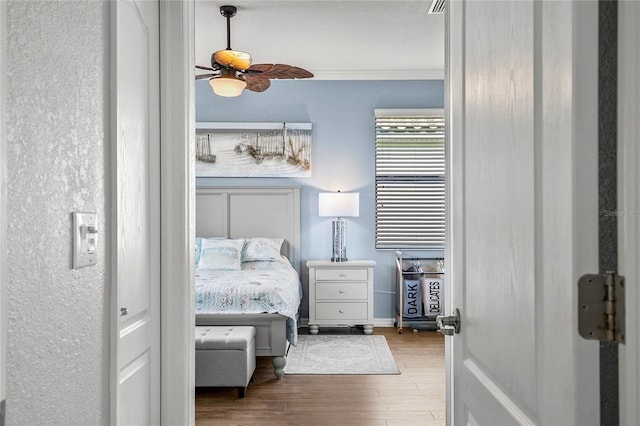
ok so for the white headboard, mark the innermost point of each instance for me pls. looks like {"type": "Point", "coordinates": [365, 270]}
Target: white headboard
{"type": "Point", "coordinates": [232, 212]}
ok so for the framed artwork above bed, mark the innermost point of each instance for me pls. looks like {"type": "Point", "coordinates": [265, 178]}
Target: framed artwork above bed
{"type": "Point", "coordinates": [253, 149]}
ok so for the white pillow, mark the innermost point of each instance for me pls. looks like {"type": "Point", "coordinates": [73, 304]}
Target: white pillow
{"type": "Point", "coordinates": [262, 249]}
{"type": "Point", "coordinates": [221, 254]}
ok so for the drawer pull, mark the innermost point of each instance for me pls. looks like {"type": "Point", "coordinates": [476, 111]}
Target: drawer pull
{"type": "Point", "coordinates": [342, 311]}
{"type": "Point", "coordinates": [342, 274]}
{"type": "Point", "coordinates": [341, 291]}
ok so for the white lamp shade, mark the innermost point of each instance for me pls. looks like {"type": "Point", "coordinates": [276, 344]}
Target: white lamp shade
{"type": "Point", "coordinates": [339, 204]}
{"type": "Point", "coordinates": [227, 86]}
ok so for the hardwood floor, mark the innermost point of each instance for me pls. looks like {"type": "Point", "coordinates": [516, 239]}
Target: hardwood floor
{"type": "Point", "coordinates": [414, 397]}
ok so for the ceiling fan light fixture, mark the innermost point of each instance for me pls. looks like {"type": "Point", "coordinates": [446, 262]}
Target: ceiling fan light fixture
{"type": "Point", "coordinates": [232, 58]}
{"type": "Point", "coordinates": [231, 71]}
{"type": "Point", "coordinates": [228, 87]}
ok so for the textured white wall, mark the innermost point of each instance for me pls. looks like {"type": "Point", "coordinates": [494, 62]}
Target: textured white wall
{"type": "Point", "coordinates": [3, 217]}
{"type": "Point", "coordinates": [57, 163]}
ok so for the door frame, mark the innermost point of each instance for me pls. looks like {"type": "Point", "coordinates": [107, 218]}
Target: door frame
{"type": "Point", "coordinates": [453, 84]}
{"type": "Point", "coordinates": [177, 211]}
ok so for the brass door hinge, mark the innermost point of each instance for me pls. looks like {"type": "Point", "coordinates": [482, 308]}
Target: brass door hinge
{"type": "Point", "coordinates": [601, 307]}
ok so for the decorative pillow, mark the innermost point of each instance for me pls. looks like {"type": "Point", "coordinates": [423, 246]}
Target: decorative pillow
{"type": "Point", "coordinates": [220, 254]}
{"type": "Point", "coordinates": [271, 265]}
{"type": "Point", "coordinates": [196, 256]}
{"type": "Point", "coordinates": [198, 249]}
{"type": "Point", "coordinates": [262, 249]}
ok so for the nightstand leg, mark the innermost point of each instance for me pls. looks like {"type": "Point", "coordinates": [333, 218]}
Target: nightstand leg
{"type": "Point", "coordinates": [368, 329]}
{"type": "Point", "coordinates": [313, 329]}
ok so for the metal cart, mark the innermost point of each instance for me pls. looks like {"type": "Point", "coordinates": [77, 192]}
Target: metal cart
{"type": "Point", "coordinates": [431, 268]}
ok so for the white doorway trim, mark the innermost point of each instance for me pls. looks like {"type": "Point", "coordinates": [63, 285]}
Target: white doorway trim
{"type": "Point", "coordinates": [453, 84]}
{"type": "Point", "coordinates": [177, 189]}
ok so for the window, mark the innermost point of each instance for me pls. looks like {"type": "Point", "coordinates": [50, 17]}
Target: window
{"type": "Point", "coordinates": [410, 179]}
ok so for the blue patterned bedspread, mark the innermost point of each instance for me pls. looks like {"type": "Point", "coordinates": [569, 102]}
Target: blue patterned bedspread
{"type": "Point", "coordinates": [265, 286]}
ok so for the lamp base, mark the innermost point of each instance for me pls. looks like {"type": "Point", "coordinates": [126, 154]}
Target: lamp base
{"type": "Point", "coordinates": [339, 236]}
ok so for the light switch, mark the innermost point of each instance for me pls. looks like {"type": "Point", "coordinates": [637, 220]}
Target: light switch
{"type": "Point", "coordinates": [85, 238]}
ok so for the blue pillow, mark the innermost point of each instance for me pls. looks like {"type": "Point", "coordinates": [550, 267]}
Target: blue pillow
{"type": "Point", "coordinates": [198, 249]}
{"type": "Point", "coordinates": [221, 254]}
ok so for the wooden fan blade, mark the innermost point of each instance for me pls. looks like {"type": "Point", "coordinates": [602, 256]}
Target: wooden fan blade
{"type": "Point", "coordinates": [280, 71]}
{"type": "Point", "coordinates": [257, 82]}
{"type": "Point", "coordinates": [202, 76]}
{"type": "Point", "coordinates": [200, 67]}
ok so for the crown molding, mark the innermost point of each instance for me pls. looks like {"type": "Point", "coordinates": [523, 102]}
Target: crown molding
{"type": "Point", "coordinates": [434, 74]}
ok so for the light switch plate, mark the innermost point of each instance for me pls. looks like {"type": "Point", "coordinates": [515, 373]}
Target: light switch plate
{"type": "Point", "coordinates": [85, 238]}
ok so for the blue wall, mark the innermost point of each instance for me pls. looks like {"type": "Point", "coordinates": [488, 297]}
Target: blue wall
{"type": "Point", "coordinates": [343, 158]}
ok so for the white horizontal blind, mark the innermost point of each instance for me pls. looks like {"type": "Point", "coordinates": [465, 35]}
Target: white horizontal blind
{"type": "Point", "coordinates": [409, 180]}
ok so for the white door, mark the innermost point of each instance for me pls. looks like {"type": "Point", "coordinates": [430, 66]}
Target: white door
{"type": "Point", "coordinates": [522, 211]}
{"type": "Point", "coordinates": [629, 203]}
{"type": "Point", "coordinates": [136, 206]}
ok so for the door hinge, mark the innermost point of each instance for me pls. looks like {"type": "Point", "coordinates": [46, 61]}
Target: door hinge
{"type": "Point", "coordinates": [601, 307]}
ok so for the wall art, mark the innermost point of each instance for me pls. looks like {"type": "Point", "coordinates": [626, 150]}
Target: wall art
{"type": "Point", "coordinates": [253, 149]}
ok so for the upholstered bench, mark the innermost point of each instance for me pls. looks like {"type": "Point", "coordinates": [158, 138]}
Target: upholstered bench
{"type": "Point", "coordinates": [225, 356]}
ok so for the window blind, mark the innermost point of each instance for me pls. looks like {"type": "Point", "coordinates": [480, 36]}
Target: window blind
{"type": "Point", "coordinates": [409, 180]}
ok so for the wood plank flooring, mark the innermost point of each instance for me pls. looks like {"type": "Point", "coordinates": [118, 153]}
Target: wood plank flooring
{"type": "Point", "coordinates": [414, 397]}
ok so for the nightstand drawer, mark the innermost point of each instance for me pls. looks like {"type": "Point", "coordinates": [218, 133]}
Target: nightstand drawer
{"type": "Point", "coordinates": [341, 291]}
{"type": "Point", "coordinates": [341, 274]}
{"type": "Point", "coordinates": [341, 311]}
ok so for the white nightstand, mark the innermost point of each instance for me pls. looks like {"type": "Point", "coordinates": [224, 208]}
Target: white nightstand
{"type": "Point", "coordinates": [340, 293]}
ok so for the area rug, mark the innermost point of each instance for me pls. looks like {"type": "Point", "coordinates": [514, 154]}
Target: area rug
{"type": "Point", "coordinates": [331, 354]}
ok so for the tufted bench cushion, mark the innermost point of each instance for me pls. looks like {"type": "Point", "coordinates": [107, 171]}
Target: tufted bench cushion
{"type": "Point", "coordinates": [225, 356]}
{"type": "Point", "coordinates": [234, 337]}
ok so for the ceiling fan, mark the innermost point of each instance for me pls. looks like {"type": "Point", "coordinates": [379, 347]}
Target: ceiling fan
{"type": "Point", "coordinates": [233, 72]}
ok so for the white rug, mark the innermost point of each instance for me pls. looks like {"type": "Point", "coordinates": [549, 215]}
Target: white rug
{"type": "Point", "coordinates": [345, 354]}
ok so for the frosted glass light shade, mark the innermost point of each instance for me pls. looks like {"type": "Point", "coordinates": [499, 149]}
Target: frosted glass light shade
{"type": "Point", "coordinates": [227, 86]}
{"type": "Point", "coordinates": [339, 204]}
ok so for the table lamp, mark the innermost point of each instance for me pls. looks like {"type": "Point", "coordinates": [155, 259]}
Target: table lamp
{"type": "Point", "coordinates": [339, 205]}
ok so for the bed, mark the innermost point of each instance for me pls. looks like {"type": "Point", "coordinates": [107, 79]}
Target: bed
{"type": "Point", "coordinates": [260, 214]}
